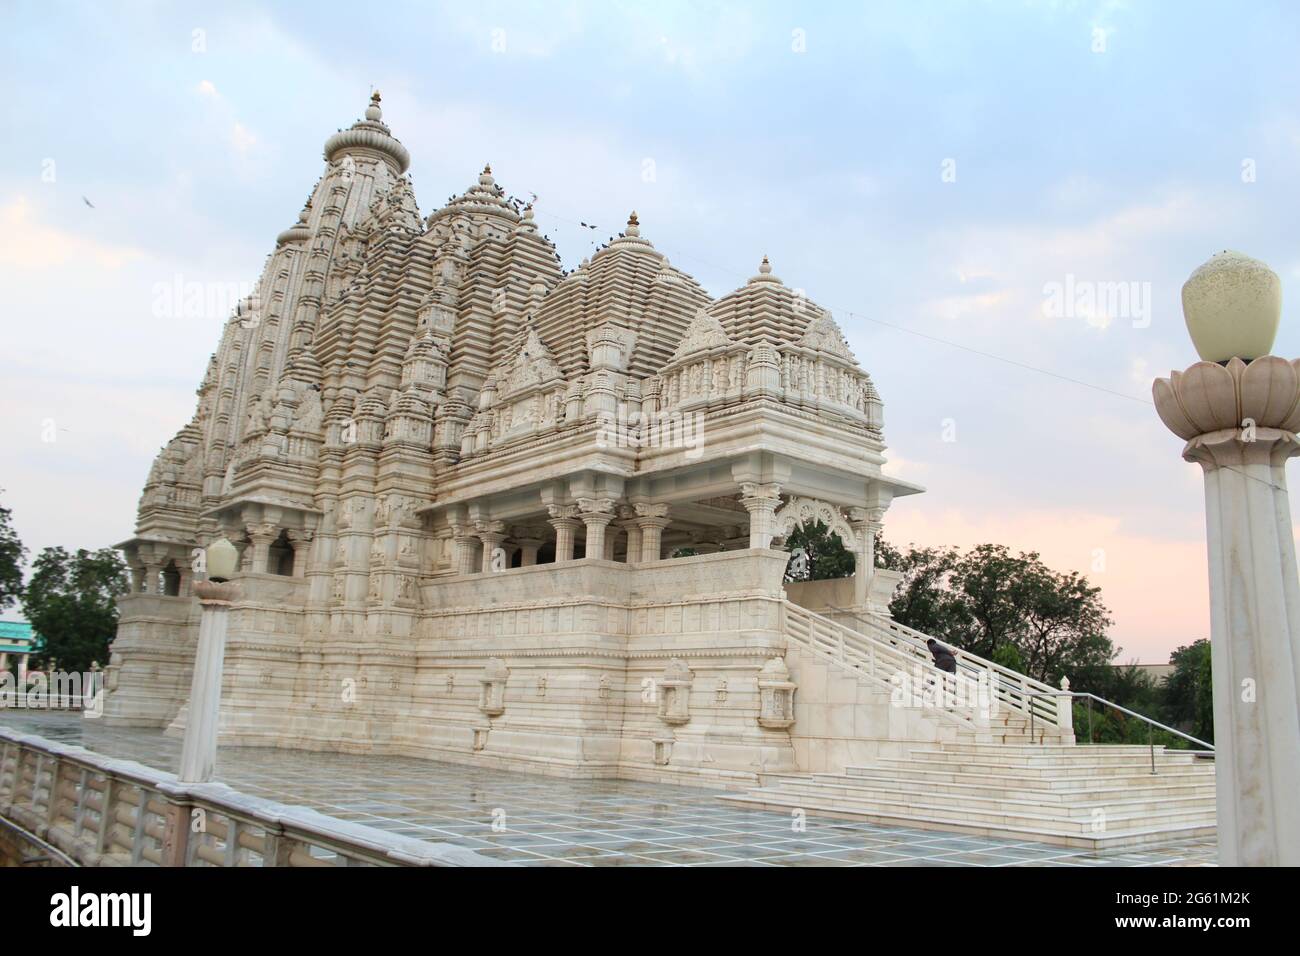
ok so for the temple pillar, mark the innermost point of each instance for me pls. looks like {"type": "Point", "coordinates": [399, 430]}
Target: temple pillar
{"type": "Point", "coordinates": [491, 533]}
{"type": "Point", "coordinates": [761, 501]}
{"type": "Point", "coordinates": [462, 555]}
{"type": "Point", "coordinates": [186, 577]}
{"type": "Point", "coordinates": [528, 548]}
{"type": "Point", "coordinates": [137, 578]}
{"type": "Point", "coordinates": [652, 519]}
{"type": "Point", "coordinates": [596, 514]}
{"type": "Point", "coordinates": [152, 578]}
{"type": "Point", "coordinates": [300, 541]}
{"type": "Point", "coordinates": [627, 522]}
{"type": "Point", "coordinates": [564, 519]}
{"type": "Point", "coordinates": [262, 536]}
{"type": "Point", "coordinates": [866, 523]}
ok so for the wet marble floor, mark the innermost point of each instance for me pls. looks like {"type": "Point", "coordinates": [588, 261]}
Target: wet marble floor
{"type": "Point", "coordinates": [547, 821]}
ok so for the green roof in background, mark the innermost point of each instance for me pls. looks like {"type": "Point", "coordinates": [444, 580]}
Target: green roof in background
{"type": "Point", "coordinates": [17, 635]}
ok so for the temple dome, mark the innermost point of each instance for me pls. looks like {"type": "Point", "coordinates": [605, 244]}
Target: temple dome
{"type": "Point", "coordinates": [627, 283]}
{"type": "Point", "coordinates": [298, 232]}
{"type": "Point", "coordinates": [765, 308]}
{"type": "Point", "coordinates": [484, 197]}
{"type": "Point", "coordinates": [369, 135]}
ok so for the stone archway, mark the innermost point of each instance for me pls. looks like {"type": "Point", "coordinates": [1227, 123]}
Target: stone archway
{"type": "Point", "coordinates": [799, 510]}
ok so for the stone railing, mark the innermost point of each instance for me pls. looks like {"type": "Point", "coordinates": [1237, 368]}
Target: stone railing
{"type": "Point", "coordinates": [794, 374]}
{"type": "Point", "coordinates": [101, 811]}
{"type": "Point", "coordinates": [880, 662]}
{"type": "Point", "coordinates": [1014, 690]}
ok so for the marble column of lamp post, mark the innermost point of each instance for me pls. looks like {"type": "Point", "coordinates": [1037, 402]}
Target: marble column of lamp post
{"type": "Point", "coordinates": [1238, 411]}
{"type": "Point", "coordinates": [199, 748]}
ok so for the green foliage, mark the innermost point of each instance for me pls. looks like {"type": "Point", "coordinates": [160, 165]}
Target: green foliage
{"type": "Point", "coordinates": [1014, 610]}
{"type": "Point", "coordinates": [990, 601]}
{"type": "Point", "coordinates": [71, 602]}
{"type": "Point", "coordinates": [12, 555]}
{"type": "Point", "coordinates": [1189, 699]}
{"type": "Point", "coordinates": [924, 600]}
{"type": "Point", "coordinates": [1009, 657]}
{"type": "Point", "coordinates": [827, 556]}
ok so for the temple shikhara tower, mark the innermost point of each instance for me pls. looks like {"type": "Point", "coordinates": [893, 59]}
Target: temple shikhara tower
{"type": "Point", "coordinates": [490, 511]}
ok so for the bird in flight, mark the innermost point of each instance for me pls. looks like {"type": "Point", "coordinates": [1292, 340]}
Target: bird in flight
{"type": "Point", "coordinates": [88, 202]}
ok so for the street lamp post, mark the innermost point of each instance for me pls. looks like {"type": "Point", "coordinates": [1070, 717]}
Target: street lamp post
{"type": "Point", "coordinates": [1239, 411]}
{"type": "Point", "coordinates": [199, 749]}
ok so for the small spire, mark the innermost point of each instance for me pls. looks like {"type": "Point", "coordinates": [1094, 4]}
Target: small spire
{"type": "Point", "coordinates": [373, 112]}
{"type": "Point", "coordinates": [633, 225]}
{"type": "Point", "coordinates": [485, 177]}
{"type": "Point", "coordinates": [765, 267]}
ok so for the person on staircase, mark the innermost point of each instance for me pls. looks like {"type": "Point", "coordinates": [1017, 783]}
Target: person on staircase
{"type": "Point", "coordinates": [944, 657]}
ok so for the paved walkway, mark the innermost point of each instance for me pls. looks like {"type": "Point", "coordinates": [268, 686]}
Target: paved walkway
{"type": "Point", "coordinates": [549, 821]}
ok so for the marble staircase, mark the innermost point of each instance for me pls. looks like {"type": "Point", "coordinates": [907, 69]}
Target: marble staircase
{"type": "Point", "coordinates": [1013, 771]}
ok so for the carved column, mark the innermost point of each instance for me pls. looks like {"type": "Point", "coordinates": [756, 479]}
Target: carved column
{"type": "Point", "coordinates": [462, 554]}
{"type": "Point", "coordinates": [866, 523]}
{"type": "Point", "coordinates": [564, 519]}
{"type": "Point", "coordinates": [596, 514]}
{"type": "Point", "coordinates": [262, 536]}
{"type": "Point", "coordinates": [491, 533]}
{"type": "Point", "coordinates": [628, 522]}
{"type": "Point", "coordinates": [651, 519]}
{"type": "Point", "coordinates": [528, 546]}
{"type": "Point", "coordinates": [300, 541]}
{"type": "Point", "coordinates": [761, 501]}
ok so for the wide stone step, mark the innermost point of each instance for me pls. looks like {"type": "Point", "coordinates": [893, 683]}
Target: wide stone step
{"type": "Point", "coordinates": [1084, 791]}
{"type": "Point", "coordinates": [1083, 806]}
{"type": "Point", "coordinates": [1037, 765]}
{"type": "Point", "coordinates": [1113, 838]}
{"type": "Point", "coordinates": [1141, 750]}
{"type": "Point", "coordinates": [938, 774]}
{"type": "Point", "coordinates": [1031, 753]}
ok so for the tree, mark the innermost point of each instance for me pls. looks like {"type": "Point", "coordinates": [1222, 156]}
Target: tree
{"type": "Point", "coordinates": [1188, 691]}
{"type": "Point", "coordinates": [12, 555]}
{"type": "Point", "coordinates": [826, 554]}
{"type": "Point", "coordinates": [71, 601]}
{"type": "Point", "coordinates": [924, 601]}
{"type": "Point", "coordinates": [990, 581]}
{"type": "Point", "coordinates": [1003, 606]}
{"type": "Point", "coordinates": [1065, 622]}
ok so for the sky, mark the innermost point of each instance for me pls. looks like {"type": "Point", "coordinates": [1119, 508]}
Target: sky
{"type": "Point", "coordinates": [960, 183]}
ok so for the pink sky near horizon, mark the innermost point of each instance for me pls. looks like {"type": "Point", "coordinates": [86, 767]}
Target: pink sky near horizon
{"type": "Point", "coordinates": [1157, 589]}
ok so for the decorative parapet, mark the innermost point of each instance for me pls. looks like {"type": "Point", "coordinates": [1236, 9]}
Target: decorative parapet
{"type": "Point", "coordinates": [142, 817]}
{"type": "Point", "coordinates": [776, 695]}
{"type": "Point", "coordinates": [675, 692]}
{"type": "Point", "coordinates": [492, 687]}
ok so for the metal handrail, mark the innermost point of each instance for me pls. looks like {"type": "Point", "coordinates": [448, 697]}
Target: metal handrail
{"type": "Point", "coordinates": [1151, 724]}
